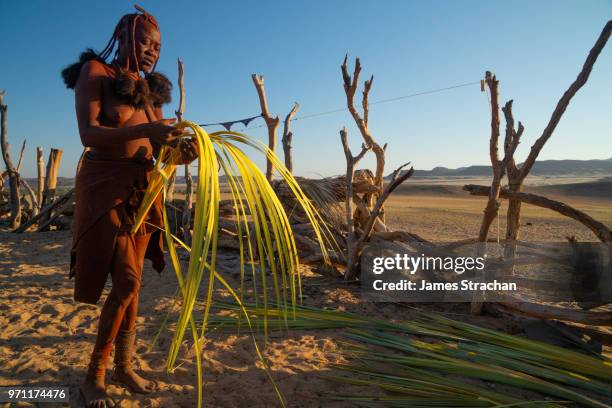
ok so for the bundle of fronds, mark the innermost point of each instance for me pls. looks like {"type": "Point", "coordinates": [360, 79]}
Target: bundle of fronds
{"type": "Point", "coordinates": [265, 235]}
{"type": "Point", "coordinates": [432, 362]}
{"type": "Point", "coordinates": [327, 194]}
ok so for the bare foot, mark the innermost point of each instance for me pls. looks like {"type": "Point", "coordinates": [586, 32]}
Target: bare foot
{"type": "Point", "coordinates": [94, 392]}
{"type": "Point", "coordinates": [134, 382]}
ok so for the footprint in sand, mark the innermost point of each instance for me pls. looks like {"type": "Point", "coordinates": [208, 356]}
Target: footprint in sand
{"type": "Point", "coordinates": [50, 310]}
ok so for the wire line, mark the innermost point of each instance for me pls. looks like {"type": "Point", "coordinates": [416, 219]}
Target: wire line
{"type": "Point", "coordinates": [397, 98]}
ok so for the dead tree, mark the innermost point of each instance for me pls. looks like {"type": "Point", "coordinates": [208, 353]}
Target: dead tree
{"type": "Point", "coordinates": [179, 116]}
{"type": "Point", "coordinates": [288, 136]}
{"type": "Point", "coordinates": [350, 88]}
{"type": "Point", "coordinates": [516, 175]}
{"type": "Point", "coordinates": [40, 166]}
{"type": "Point", "coordinates": [188, 204]}
{"type": "Point", "coordinates": [271, 122]}
{"type": "Point", "coordinates": [370, 207]}
{"type": "Point", "coordinates": [351, 162]}
{"type": "Point", "coordinates": [511, 142]}
{"type": "Point", "coordinates": [55, 157]}
{"type": "Point", "coordinates": [34, 203]}
{"type": "Point", "coordinates": [13, 175]}
{"type": "Point", "coordinates": [181, 109]}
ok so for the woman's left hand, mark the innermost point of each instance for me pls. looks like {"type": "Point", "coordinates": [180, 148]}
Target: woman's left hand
{"type": "Point", "coordinates": [189, 150]}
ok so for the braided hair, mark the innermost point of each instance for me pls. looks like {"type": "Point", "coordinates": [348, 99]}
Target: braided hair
{"type": "Point", "coordinates": [154, 89]}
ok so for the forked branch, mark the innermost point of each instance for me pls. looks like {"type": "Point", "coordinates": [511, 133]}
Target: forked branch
{"type": "Point", "coordinates": [350, 88]}
{"type": "Point", "coordinates": [563, 103]}
{"type": "Point", "coordinates": [271, 122]}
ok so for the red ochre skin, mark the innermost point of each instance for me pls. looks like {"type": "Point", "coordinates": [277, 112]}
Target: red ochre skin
{"type": "Point", "coordinates": [119, 137]}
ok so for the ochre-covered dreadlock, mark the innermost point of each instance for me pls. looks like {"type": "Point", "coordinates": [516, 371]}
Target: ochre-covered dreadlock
{"type": "Point", "coordinates": [154, 89]}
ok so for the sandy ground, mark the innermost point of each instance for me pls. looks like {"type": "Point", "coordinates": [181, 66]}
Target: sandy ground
{"type": "Point", "coordinates": [46, 338]}
{"type": "Point", "coordinates": [448, 216]}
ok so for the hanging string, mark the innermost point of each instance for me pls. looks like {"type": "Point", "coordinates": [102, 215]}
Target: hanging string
{"type": "Point", "coordinates": [227, 125]}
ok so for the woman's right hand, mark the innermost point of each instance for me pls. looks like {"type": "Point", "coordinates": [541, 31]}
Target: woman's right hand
{"type": "Point", "coordinates": [161, 133]}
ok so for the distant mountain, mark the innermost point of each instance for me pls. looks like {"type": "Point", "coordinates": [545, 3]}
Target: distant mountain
{"type": "Point", "coordinates": [545, 168]}
{"type": "Point", "coordinates": [549, 168]}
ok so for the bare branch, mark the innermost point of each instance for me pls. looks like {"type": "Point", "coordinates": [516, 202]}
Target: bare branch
{"type": "Point", "coordinates": [493, 85]}
{"type": "Point", "coordinates": [32, 194]}
{"type": "Point", "coordinates": [181, 110]}
{"type": "Point", "coordinates": [20, 161]}
{"type": "Point", "coordinates": [15, 199]}
{"type": "Point", "coordinates": [512, 138]}
{"type": "Point", "coordinates": [350, 87]}
{"type": "Point", "coordinates": [40, 166]}
{"type": "Point", "coordinates": [288, 137]}
{"type": "Point", "coordinates": [563, 103]}
{"type": "Point", "coordinates": [367, 85]}
{"type": "Point", "coordinates": [271, 122]}
{"type": "Point", "coordinates": [364, 149]}
{"type": "Point", "coordinates": [599, 229]}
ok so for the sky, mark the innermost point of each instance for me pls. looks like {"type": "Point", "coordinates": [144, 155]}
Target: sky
{"type": "Point", "coordinates": [536, 49]}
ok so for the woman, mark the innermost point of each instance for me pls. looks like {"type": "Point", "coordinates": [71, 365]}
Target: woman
{"type": "Point", "coordinates": [120, 121]}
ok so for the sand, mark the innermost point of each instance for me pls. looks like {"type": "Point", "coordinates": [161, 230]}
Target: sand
{"type": "Point", "coordinates": [46, 338]}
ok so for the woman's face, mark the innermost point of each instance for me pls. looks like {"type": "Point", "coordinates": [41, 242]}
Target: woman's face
{"type": "Point", "coordinates": [148, 45]}
{"type": "Point", "coordinates": [147, 42]}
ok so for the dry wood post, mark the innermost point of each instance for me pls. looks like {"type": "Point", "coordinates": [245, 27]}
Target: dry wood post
{"type": "Point", "coordinates": [351, 162]}
{"type": "Point", "coordinates": [35, 204]}
{"type": "Point", "coordinates": [493, 203]}
{"type": "Point", "coordinates": [15, 199]}
{"type": "Point", "coordinates": [516, 175]}
{"type": "Point", "coordinates": [188, 205]}
{"type": "Point", "coordinates": [350, 88]}
{"type": "Point", "coordinates": [288, 136]}
{"type": "Point", "coordinates": [181, 84]}
{"type": "Point", "coordinates": [271, 122]}
{"type": "Point", "coordinates": [179, 117]}
{"type": "Point", "coordinates": [511, 141]}
{"type": "Point", "coordinates": [53, 163]}
{"type": "Point", "coordinates": [40, 166]}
